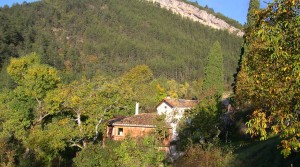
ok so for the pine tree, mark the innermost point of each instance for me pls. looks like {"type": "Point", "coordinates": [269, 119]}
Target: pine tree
{"type": "Point", "coordinates": [241, 77]}
{"type": "Point", "coordinates": [253, 5]}
{"type": "Point", "coordinates": [214, 73]}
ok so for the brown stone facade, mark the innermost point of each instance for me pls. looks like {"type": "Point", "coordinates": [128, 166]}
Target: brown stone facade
{"type": "Point", "coordinates": [119, 132]}
{"type": "Point", "coordinates": [136, 126]}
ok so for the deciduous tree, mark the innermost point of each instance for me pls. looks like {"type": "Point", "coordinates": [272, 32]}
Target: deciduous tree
{"type": "Point", "coordinates": [272, 65]}
{"type": "Point", "coordinates": [22, 109]}
{"type": "Point", "coordinates": [203, 123]}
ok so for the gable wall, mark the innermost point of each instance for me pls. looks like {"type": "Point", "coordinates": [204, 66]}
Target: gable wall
{"type": "Point", "coordinates": [136, 132]}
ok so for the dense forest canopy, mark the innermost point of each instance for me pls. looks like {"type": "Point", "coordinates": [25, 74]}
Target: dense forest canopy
{"type": "Point", "coordinates": [100, 36]}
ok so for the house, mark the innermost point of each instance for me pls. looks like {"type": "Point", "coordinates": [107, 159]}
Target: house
{"type": "Point", "coordinates": [174, 111]}
{"type": "Point", "coordinates": [135, 126]}
{"type": "Point", "coordinates": [175, 108]}
{"type": "Point", "coordinates": [143, 124]}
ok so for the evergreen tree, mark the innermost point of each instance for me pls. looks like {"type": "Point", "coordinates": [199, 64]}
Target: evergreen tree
{"type": "Point", "coordinates": [253, 5]}
{"type": "Point", "coordinates": [214, 75]}
{"type": "Point", "coordinates": [112, 40]}
{"type": "Point", "coordinates": [241, 77]}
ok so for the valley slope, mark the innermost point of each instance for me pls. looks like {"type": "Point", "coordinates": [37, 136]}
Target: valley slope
{"type": "Point", "coordinates": [86, 37]}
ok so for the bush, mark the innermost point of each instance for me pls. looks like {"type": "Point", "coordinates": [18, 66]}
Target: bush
{"type": "Point", "coordinates": [97, 155]}
{"type": "Point", "coordinates": [196, 156]}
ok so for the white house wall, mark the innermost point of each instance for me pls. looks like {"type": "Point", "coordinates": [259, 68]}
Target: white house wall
{"type": "Point", "coordinates": [173, 116]}
{"type": "Point", "coordinates": [164, 108]}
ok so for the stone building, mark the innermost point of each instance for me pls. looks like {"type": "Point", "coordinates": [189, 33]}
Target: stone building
{"type": "Point", "coordinates": [138, 125]}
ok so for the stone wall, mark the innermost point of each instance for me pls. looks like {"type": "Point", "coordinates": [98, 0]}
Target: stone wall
{"type": "Point", "coordinates": [137, 132]}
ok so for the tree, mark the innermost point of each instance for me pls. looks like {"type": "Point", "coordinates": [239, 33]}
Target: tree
{"type": "Point", "coordinates": [139, 152]}
{"type": "Point", "coordinates": [272, 66]}
{"type": "Point", "coordinates": [131, 152]}
{"type": "Point", "coordinates": [253, 6]}
{"type": "Point", "coordinates": [214, 76]}
{"type": "Point", "coordinates": [34, 81]}
{"type": "Point", "coordinates": [45, 117]}
{"type": "Point", "coordinates": [140, 80]}
{"type": "Point", "coordinates": [241, 77]}
{"type": "Point", "coordinates": [22, 31]}
{"type": "Point", "coordinates": [89, 103]}
{"type": "Point", "coordinates": [95, 155]}
{"type": "Point", "coordinates": [23, 108]}
{"type": "Point", "coordinates": [203, 125]}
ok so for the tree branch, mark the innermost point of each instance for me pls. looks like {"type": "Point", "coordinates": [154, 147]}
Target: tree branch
{"type": "Point", "coordinates": [75, 144]}
{"type": "Point", "coordinates": [100, 121]}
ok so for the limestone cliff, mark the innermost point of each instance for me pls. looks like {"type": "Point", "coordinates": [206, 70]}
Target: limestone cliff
{"type": "Point", "coordinates": [196, 14]}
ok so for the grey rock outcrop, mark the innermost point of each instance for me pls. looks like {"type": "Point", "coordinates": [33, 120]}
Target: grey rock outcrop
{"type": "Point", "coordinates": [197, 15]}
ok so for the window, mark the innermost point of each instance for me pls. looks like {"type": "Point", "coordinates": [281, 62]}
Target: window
{"type": "Point", "coordinates": [120, 131]}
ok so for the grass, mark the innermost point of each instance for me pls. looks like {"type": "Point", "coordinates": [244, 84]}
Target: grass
{"type": "Point", "coordinates": [266, 153]}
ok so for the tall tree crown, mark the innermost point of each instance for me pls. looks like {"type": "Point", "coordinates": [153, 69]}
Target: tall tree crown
{"type": "Point", "coordinates": [214, 75]}
{"type": "Point", "coordinates": [271, 64]}
{"type": "Point", "coordinates": [253, 5]}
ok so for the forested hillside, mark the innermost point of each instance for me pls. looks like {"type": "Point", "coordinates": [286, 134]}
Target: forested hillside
{"type": "Point", "coordinates": [69, 67]}
{"type": "Point", "coordinates": [85, 37]}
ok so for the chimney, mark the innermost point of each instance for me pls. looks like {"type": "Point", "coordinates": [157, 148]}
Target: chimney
{"type": "Point", "coordinates": [137, 108]}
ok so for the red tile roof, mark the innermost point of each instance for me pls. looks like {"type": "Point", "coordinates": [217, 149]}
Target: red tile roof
{"type": "Point", "coordinates": [142, 120]}
{"type": "Point", "coordinates": [181, 103]}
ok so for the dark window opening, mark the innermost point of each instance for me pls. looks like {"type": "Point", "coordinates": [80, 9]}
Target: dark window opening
{"type": "Point", "coordinates": [120, 131]}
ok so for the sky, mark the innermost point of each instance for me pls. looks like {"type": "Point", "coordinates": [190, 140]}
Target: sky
{"type": "Point", "coordinates": [235, 9]}
{"type": "Point", "coordinates": [10, 2]}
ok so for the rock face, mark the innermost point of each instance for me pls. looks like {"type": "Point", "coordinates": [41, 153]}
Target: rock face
{"type": "Point", "coordinates": [195, 14]}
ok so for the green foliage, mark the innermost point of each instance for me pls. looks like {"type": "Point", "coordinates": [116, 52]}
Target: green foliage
{"type": "Point", "coordinates": [265, 153]}
{"type": "Point", "coordinates": [23, 107]}
{"type": "Point", "coordinates": [19, 67]}
{"type": "Point", "coordinates": [140, 80]}
{"type": "Point", "coordinates": [129, 152]}
{"type": "Point", "coordinates": [254, 5]}
{"type": "Point", "coordinates": [214, 73]}
{"type": "Point", "coordinates": [161, 132]}
{"type": "Point", "coordinates": [97, 155]}
{"type": "Point", "coordinates": [141, 152]}
{"type": "Point", "coordinates": [149, 91]}
{"type": "Point", "coordinates": [50, 113]}
{"type": "Point", "coordinates": [271, 66]}
{"type": "Point", "coordinates": [6, 153]}
{"type": "Point", "coordinates": [218, 15]}
{"type": "Point", "coordinates": [240, 77]}
{"type": "Point", "coordinates": [52, 139]}
{"type": "Point", "coordinates": [203, 125]}
{"type": "Point", "coordinates": [138, 75]}
{"type": "Point", "coordinates": [195, 155]}
{"type": "Point", "coordinates": [90, 37]}
{"type": "Point", "coordinates": [90, 103]}
{"type": "Point", "coordinates": [46, 117]}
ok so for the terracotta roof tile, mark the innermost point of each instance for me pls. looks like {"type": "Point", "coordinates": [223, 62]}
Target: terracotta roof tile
{"type": "Point", "coordinates": [144, 120]}
{"type": "Point", "coordinates": [181, 103]}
